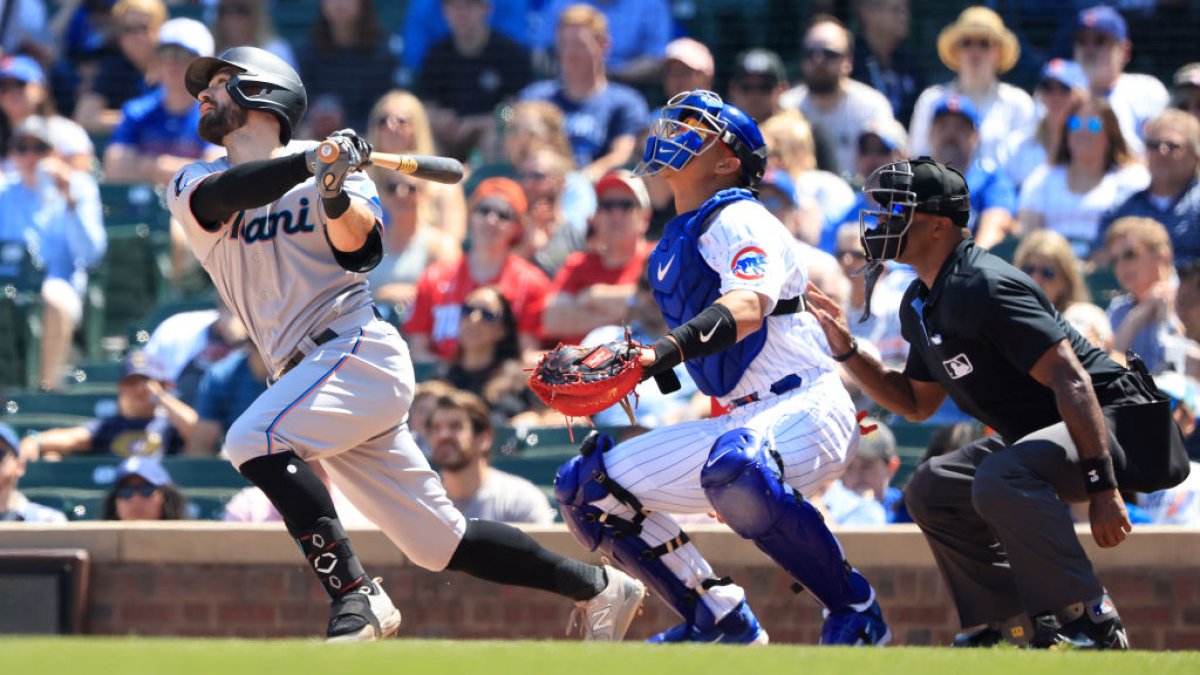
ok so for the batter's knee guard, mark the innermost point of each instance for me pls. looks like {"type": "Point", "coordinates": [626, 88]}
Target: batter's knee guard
{"type": "Point", "coordinates": [743, 483]}
{"type": "Point", "coordinates": [582, 481]}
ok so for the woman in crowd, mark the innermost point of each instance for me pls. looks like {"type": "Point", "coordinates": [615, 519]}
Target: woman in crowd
{"type": "Point", "coordinates": [1144, 318]}
{"type": "Point", "coordinates": [121, 75]}
{"type": "Point", "coordinates": [489, 355]}
{"type": "Point", "coordinates": [411, 241]}
{"type": "Point", "coordinates": [1062, 85]}
{"type": "Point", "coordinates": [23, 93]}
{"type": "Point", "coordinates": [1091, 172]}
{"type": "Point", "coordinates": [143, 491]}
{"type": "Point", "coordinates": [1047, 258]}
{"type": "Point", "coordinates": [347, 65]}
{"type": "Point", "coordinates": [247, 22]}
{"type": "Point", "coordinates": [980, 49]}
{"type": "Point", "coordinates": [399, 124]}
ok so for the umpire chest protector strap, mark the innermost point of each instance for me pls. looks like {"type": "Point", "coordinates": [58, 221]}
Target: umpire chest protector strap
{"type": "Point", "coordinates": [684, 285]}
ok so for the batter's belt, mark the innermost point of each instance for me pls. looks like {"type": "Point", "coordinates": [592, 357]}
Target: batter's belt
{"type": "Point", "coordinates": [308, 344]}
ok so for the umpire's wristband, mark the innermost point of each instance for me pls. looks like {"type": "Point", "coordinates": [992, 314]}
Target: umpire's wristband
{"type": "Point", "coordinates": [1098, 474]}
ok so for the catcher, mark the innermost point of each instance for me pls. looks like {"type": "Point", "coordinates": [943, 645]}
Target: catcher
{"type": "Point", "coordinates": [728, 279]}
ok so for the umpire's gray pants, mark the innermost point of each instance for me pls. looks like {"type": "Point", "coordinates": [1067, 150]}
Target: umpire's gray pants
{"type": "Point", "coordinates": [1000, 530]}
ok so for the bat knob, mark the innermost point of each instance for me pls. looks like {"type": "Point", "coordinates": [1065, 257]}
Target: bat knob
{"type": "Point", "coordinates": [328, 151]}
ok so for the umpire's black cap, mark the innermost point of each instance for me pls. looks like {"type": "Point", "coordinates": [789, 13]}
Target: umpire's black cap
{"type": "Point", "coordinates": [940, 189]}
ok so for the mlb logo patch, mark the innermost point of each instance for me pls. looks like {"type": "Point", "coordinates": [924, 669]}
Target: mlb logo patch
{"type": "Point", "coordinates": [959, 366]}
{"type": "Point", "coordinates": [750, 263]}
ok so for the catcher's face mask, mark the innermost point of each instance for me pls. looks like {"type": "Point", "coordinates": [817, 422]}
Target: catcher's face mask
{"type": "Point", "coordinates": [689, 121]}
{"type": "Point", "coordinates": [883, 226]}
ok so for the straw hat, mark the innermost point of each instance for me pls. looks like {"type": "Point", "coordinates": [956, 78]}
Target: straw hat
{"type": "Point", "coordinates": [975, 21]}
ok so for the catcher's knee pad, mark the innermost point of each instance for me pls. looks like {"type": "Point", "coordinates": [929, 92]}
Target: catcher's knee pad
{"type": "Point", "coordinates": [744, 484]}
{"type": "Point", "coordinates": [582, 481]}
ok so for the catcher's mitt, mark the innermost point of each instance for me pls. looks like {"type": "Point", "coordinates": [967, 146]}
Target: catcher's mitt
{"type": "Point", "coordinates": [581, 381]}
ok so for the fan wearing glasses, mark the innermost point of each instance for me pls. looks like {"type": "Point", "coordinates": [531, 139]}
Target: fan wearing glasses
{"type": "Point", "coordinates": [124, 73]}
{"type": "Point", "coordinates": [1102, 47]}
{"type": "Point", "coordinates": [979, 48]}
{"type": "Point", "coordinates": [594, 287]}
{"type": "Point", "coordinates": [1144, 317]}
{"type": "Point", "coordinates": [1092, 172]}
{"type": "Point", "coordinates": [143, 491]}
{"type": "Point", "coordinates": [1046, 257]}
{"type": "Point", "coordinates": [489, 355]}
{"type": "Point", "coordinates": [828, 97]}
{"type": "Point", "coordinates": [1173, 196]}
{"type": "Point", "coordinates": [54, 211]}
{"type": "Point", "coordinates": [496, 225]}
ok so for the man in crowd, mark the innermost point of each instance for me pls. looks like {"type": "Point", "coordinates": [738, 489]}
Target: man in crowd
{"type": "Point", "coordinates": [461, 437]}
{"type": "Point", "coordinates": [828, 97]}
{"type": "Point", "coordinates": [15, 506]}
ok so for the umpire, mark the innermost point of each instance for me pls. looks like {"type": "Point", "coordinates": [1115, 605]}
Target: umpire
{"type": "Point", "coordinates": [1072, 424]}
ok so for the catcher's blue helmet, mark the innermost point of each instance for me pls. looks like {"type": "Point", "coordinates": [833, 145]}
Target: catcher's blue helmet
{"type": "Point", "coordinates": [688, 121]}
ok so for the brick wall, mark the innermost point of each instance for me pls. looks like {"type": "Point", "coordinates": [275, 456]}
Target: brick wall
{"type": "Point", "coordinates": [199, 579]}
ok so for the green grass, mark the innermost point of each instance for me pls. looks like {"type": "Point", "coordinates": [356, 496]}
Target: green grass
{"type": "Point", "coordinates": [150, 656]}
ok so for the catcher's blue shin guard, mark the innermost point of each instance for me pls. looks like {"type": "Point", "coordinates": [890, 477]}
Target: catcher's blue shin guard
{"type": "Point", "coordinates": [743, 482]}
{"type": "Point", "coordinates": [581, 482]}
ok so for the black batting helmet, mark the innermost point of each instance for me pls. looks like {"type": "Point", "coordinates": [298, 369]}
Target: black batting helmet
{"type": "Point", "coordinates": [264, 82]}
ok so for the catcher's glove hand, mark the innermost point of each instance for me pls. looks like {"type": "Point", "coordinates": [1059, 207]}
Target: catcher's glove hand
{"type": "Point", "coordinates": [581, 381]}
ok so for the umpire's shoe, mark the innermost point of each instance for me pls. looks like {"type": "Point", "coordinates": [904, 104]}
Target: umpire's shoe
{"type": "Point", "coordinates": [1081, 633]}
{"type": "Point", "coordinates": [606, 617]}
{"type": "Point", "coordinates": [363, 615]}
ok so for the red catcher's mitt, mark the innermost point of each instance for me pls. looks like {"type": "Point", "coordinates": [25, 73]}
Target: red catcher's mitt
{"type": "Point", "coordinates": [581, 381]}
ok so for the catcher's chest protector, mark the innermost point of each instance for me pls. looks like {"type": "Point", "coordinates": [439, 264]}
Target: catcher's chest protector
{"type": "Point", "coordinates": [683, 285]}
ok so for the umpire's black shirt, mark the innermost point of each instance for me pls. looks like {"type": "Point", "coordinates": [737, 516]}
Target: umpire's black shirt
{"type": "Point", "coordinates": [980, 330]}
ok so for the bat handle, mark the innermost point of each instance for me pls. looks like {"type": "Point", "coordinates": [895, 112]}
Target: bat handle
{"type": "Point", "coordinates": [328, 151]}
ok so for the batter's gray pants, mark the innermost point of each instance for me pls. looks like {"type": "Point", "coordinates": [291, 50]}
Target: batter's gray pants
{"type": "Point", "coordinates": [997, 521]}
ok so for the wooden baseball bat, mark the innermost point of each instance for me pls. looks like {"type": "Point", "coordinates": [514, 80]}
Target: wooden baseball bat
{"type": "Point", "coordinates": [426, 167]}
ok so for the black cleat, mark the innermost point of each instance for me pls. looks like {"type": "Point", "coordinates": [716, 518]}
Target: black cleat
{"type": "Point", "coordinates": [988, 636]}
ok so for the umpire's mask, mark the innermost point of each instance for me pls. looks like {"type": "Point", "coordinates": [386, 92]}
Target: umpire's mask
{"type": "Point", "coordinates": [896, 191]}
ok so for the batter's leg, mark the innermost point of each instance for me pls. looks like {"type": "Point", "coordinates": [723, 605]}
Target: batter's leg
{"type": "Point", "coordinates": [391, 483]}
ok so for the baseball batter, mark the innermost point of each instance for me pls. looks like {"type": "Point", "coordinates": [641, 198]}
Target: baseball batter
{"type": "Point", "coordinates": [729, 283]}
{"type": "Point", "coordinates": [287, 239]}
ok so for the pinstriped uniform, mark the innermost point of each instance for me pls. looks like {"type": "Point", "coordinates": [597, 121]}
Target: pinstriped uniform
{"type": "Point", "coordinates": [346, 401]}
{"type": "Point", "coordinates": [813, 427]}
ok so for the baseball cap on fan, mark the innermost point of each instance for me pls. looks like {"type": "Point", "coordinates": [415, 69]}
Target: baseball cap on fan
{"type": "Point", "coordinates": [22, 69]}
{"type": "Point", "coordinates": [187, 33]}
{"type": "Point", "coordinates": [1103, 19]}
{"type": "Point", "coordinates": [148, 468]}
{"type": "Point", "coordinates": [8, 440]}
{"type": "Point", "coordinates": [691, 54]}
{"type": "Point", "coordinates": [759, 62]}
{"type": "Point", "coordinates": [957, 105]}
{"type": "Point", "coordinates": [627, 180]}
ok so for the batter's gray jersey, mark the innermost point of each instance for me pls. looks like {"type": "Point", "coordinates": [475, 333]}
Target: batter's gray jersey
{"type": "Point", "coordinates": [273, 265]}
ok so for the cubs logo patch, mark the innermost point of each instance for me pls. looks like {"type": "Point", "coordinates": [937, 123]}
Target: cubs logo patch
{"type": "Point", "coordinates": [959, 366]}
{"type": "Point", "coordinates": [750, 263]}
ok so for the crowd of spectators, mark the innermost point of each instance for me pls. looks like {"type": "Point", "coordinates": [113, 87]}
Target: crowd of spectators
{"type": "Point", "coordinates": [1089, 174]}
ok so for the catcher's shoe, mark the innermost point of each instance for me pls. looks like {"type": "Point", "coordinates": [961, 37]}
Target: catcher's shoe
{"type": "Point", "coordinates": [850, 627]}
{"type": "Point", "coordinates": [606, 617]}
{"type": "Point", "coordinates": [363, 615]}
{"type": "Point", "coordinates": [739, 627]}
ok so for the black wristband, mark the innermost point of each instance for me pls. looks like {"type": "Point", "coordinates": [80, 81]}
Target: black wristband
{"type": "Point", "coordinates": [842, 358]}
{"type": "Point", "coordinates": [1098, 474]}
{"type": "Point", "coordinates": [336, 206]}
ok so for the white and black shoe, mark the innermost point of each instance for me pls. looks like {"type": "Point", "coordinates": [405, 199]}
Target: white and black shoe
{"type": "Point", "coordinates": [606, 617]}
{"type": "Point", "coordinates": [363, 615]}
